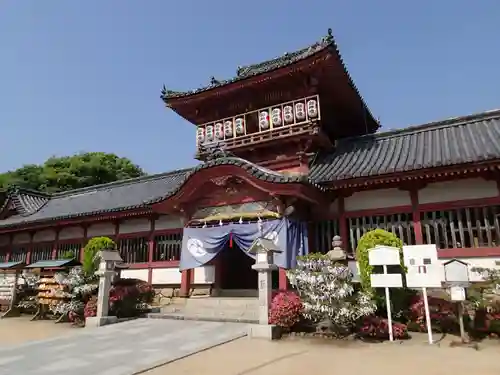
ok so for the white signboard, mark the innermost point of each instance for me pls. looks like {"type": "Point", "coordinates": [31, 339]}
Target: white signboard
{"type": "Point", "coordinates": [383, 256]}
{"type": "Point", "coordinates": [457, 293]}
{"type": "Point", "coordinates": [386, 280]}
{"type": "Point", "coordinates": [456, 272]}
{"type": "Point", "coordinates": [423, 267]}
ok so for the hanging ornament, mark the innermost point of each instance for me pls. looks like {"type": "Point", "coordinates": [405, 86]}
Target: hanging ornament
{"type": "Point", "coordinates": [219, 133]}
{"type": "Point", "coordinates": [312, 108]}
{"type": "Point", "coordinates": [241, 220]}
{"type": "Point", "coordinates": [239, 125]}
{"type": "Point", "coordinates": [288, 114]}
{"type": "Point", "coordinates": [276, 117]}
{"type": "Point", "coordinates": [210, 133]}
{"type": "Point", "coordinates": [228, 129]}
{"type": "Point", "coordinates": [205, 224]}
{"type": "Point", "coordinates": [230, 240]}
{"type": "Point", "coordinates": [300, 114]}
{"type": "Point", "coordinates": [200, 135]}
{"type": "Point", "coordinates": [264, 120]}
{"type": "Point", "coordinates": [220, 223]}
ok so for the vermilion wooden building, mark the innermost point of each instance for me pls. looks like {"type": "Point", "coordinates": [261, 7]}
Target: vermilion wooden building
{"type": "Point", "coordinates": [292, 137]}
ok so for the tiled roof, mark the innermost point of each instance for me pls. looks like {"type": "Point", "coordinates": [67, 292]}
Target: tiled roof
{"type": "Point", "coordinates": [135, 193]}
{"type": "Point", "coordinates": [116, 196]}
{"type": "Point", "coordinates": [25, 201]}
{"type": "Point", "coordinates": [462, 140]}
{"type": "Point", "coordinates": [267, 66]}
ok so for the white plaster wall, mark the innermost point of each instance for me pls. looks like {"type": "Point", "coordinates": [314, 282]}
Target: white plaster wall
{"type": "Point", "coordinates": [472, 188]}
{"type": "Point", "coordinates": [4, 240]}
{"type": "Point", "coordinates": [44, 235]}
{"type": "Point", "coordinates": [135, 274]}
{"type": "Point", "coordinates": [22, 237]}
{"type": "Point", "coordinates": [166, 276]}
{"type": "Point", "coordinates": [169, 222]}
{"type": "Point", "coordinates": [101, 229]}
{"type": "Point", "coordinates": [204, 275]}
{"type": "Point", "coordinates": [135, 225]}
{"type": "Point", "coordinates": [373, 199]}
{"type": "Point", "coordinates": [71, 232]}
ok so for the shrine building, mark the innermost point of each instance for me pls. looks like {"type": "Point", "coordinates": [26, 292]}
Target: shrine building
{"type": "Point", "coordinates": [288, 150]}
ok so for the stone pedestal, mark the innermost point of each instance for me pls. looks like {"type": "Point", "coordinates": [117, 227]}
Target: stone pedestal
{"type": "Point", "coordinates": [106, 273]}
{"type": "Point", "coordinates": [264, 250]}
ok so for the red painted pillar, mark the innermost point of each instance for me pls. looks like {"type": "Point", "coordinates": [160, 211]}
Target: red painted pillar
{"type": "Point", "coordinates": [186, 276]}
{"type": "Point", "coordinates": [9, 250]}
{"type": "Point", "coordinates": [55, 245]}
{"type": "Point", "coordinates": [282, 280]}
{"type": "Point", "coordinates": [151, 249]}
{"type": "Point", "coordinates": [85, 239]}
{"type": "Point", "coordinates": [343, 229]}
{"type": "Point", "coordinates": [417, 225]}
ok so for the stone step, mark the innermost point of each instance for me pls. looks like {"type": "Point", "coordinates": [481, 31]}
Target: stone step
{"type": "Point", "coordinates": [212, 309]}
{"type": "Point", "coordinates": [224, 319]}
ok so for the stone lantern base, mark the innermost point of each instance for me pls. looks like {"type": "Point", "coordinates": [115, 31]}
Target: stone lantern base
{"type": "Point", "coordinates": [264, 331]}
{"type": "Point", "coordinates": [95, 321]}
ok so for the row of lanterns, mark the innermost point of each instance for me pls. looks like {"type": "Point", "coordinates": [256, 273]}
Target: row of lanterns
{"type": "Point", "coordinates": [219, 131]}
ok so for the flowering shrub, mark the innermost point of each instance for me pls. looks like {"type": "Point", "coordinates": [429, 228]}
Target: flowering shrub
{"type": "Point", "coordinates": [286, 309]}
{"type": "Point", "coordinates": [326, 290]}
{"type": "Point", "coordinates": [367, 242]}
{"type": "Point", "coordinates": [374, 327]}
{"type": "Point", "coordinates": [442, 314]}
{"type": "Point", "coordinates": [90, 308]}
{"type": "Point", "coordinates": [130, 297]}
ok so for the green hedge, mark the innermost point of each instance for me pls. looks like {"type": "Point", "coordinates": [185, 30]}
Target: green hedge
{"type": "Point", "coordinates": [369, 241]}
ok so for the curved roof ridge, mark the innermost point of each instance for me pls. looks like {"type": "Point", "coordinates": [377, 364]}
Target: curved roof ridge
{"type": "Point", "coordinates": [434, 125]}
{"type": "Point", "coordinates": [127, 181]}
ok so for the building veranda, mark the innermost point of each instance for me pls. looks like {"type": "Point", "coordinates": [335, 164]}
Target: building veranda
{"type": "Point", "coordinates": [289, 150]}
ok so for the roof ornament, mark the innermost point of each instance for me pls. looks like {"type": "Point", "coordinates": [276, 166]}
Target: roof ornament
{"type": "Point", "coordinates": [214, 81]}
{"type": "Point", "coordinates": [329, 37]}
{"type": "Point", "coordinates": [239, 70]}
{"type": "Point", "coordinates": [215, 151]}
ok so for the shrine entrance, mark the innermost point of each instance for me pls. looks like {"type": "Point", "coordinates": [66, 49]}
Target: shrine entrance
{"type": "Point", "coordinates": [236, 271]}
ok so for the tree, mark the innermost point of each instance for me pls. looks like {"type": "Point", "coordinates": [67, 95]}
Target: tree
{"type": "Point", "coordinates": [71, 172]}
{"type": "Point", "coordinates": [94, 245]}
{"type": "Point", "coordinates": [327, 291]}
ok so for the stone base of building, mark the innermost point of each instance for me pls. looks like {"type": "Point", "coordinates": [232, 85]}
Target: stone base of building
{"type": "Point", "coordinates": [94, 321]}
{"type": "Point", "coordinates": [264, 331]}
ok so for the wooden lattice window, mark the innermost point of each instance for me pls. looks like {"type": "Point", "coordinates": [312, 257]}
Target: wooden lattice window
{"type": "Point", "coordinates": [18, 254]}
{"type": "Point", "coordinates": [41, 252]}
{"type": "Point", "coordinates": [399, 224]}
{"type": "Point", "coordinates": [3, 254]}
{"type": "Point", "coordinates": [321, 235]}
{"type": "Point", "coordinates": [134, 250]}
{"type": "Point", "coordinates": [66, 248]}
{"type": "Point", "coordinates": [167, 247]}
{"type": "Point", "coordinates": [462, 227]}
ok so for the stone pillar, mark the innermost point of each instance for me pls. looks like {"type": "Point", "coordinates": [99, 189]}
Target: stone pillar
{"type": "Point", "coordinates": [106, 273]}
{"type": "Point", "coordinates": [264, 266]}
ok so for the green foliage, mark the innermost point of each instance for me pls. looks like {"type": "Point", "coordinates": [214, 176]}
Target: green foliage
{"type": "Point", "coordinates": [68, 255]}
{"type": "Point", "coordinates": [369, 241]}
{"type": "Point", "coordinates": [96, 244]}
{"type": "Point", "coordinates": [71, 172]}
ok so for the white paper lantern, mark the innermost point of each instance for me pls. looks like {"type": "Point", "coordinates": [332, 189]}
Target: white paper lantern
{"type": "Point", "coordinates": [228, 129]}
{"type": "Point", "coordinates": [239, 125]}
{"type": "Point", "coordinates": [312, 108]}
{"type": "Point", "coordinates": [276, 117]}
{"type": "Point", "coordinates": [200, 135]}
{"type": "Point", "coordinates": [300, 113]}
{"type": "Point", "coordinates": [288, 114]}
{"type": "Point", "coordinates": [264, 120]}
{"type": "Point", "coordinates": [210, 133]}
{"type": "Point", "coordinates": [219, 132]}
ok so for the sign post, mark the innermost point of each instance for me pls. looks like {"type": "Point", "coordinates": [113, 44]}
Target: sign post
{"type": "Point", "coordinates": [456, 274]}
{"type": "Point", "coordinates": [385, 256]}
{"type": "Point", "coordinates": [423, 271]}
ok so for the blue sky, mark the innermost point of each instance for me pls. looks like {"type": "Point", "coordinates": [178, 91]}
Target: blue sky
{"type": "Point", "coordinates": [86, 75]}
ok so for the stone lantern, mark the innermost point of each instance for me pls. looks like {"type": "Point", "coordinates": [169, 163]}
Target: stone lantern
{"type": "Point", "coordinates": [264, 250]}
{"type": "Point", "coordinates": [108, 259]}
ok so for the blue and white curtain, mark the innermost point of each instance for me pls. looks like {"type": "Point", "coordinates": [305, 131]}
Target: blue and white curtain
{"type": "Point", "coordinates": [201, 245]}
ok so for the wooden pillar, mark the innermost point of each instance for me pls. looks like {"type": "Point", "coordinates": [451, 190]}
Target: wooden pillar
{"type": "Point", "coordinates": [186, 279]}
{"type": "Point", "coordinates": [30, 247]}
{"type": "Point", "coordinates": [55, 245]}
{"type": "Point", "coordinates": [417, 225]}
{"type": "Point", "coordinates": [9, 249]}
{"type": "Point", "coordinates": [343, 229]}
{"type": "Point", "coordinates": [85, 240]}
{"type": "Point", "coordinates": [282, 279]}
{"type": "Point", "coordinates": [151, 249]}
